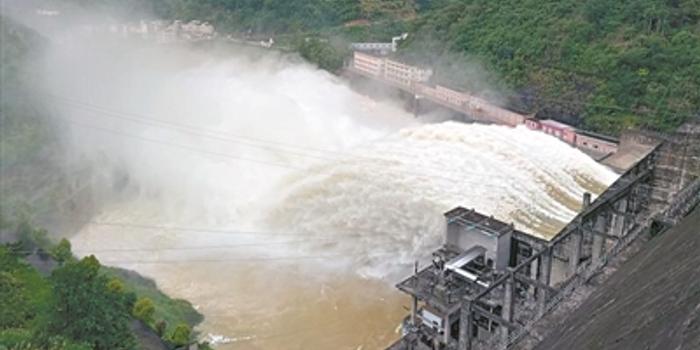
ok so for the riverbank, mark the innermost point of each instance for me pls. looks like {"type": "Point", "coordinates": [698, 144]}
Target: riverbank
{"type": "Point", "coordinates": [30, 270]}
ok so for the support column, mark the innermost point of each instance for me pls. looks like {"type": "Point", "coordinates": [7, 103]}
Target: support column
{"type": "Point", "coordinates": [416, 105]}
{"type": "Point", "coordinates": [599, 241]}
{"type": "Point", "coordinates": [618, 223]}
{"type": "Point", "coordinates": [447, 330]}
{"type": "Point", "coordinates": [545, 273]}
{"type": "Point", "coordinates": [508, 305]}
{"type": "Point", "coordinates": [532, 290]}
{"type": "Point", "coordinates": [586, 200]}
{"type": "Point", "coordinates": [625, 221]}
{"type": "Point", "coordinates": [414, 300]}
{"type": "Point", "coordinates": [465, 325]}
{"type": "Point", "coordinates": [575, 246]}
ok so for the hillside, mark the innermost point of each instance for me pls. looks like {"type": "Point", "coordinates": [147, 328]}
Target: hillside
{"type": "Point", "coordinates": [602, 64]}
{"type": "Point", "coordinates": [651, 302]}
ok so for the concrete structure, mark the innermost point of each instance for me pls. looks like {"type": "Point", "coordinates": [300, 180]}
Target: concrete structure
{"type": "Point", "coordinates": [405, 74]}
{"type": "Point", "coordinates": [368, 64]}
{"type": "Point", "coordinates": [477, 251]}
{"type": "Point", "coordinates": [596, 145]}
{"type": "Point", "coordinates": [559, 130]}
{"type": "Point", "coordinates": [493, 308]}
{"type": "Point", "coordinates": [645, 304]}
{"type": "Point", "coordinates": [414, 80]}
{"type": "Point", "coordinates": [467, 228]}
{"type": "Point", "coordinates": [397, 73]}
{"type": "Point", "coordinates": [379, 48]}
{"type": "Point", "coordinates": [633, 146]}
{"type": "Point", "coordinates": [596, 142]}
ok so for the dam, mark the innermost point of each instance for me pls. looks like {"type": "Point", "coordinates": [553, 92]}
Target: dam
{"type": "Point", "coordinates": [490, 286]}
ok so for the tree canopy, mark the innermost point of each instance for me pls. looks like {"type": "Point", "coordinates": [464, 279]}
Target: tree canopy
{"type": "Point", "coordinates": [86, 310]}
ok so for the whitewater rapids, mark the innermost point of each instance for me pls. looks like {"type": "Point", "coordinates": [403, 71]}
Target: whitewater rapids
{"type": "Point", "coordinates": [279, 201]}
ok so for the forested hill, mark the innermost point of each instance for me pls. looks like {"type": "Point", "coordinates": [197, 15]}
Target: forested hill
{"type": "Point", "coordinates": [603, 64]}
{"type": "Point", "coordinates": [612, 63]}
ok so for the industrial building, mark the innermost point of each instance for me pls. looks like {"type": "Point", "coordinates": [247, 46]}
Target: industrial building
{"type": "Point", "coordinates": [491, 286]}
{"type": "Point", "coordinates": [477, 251]}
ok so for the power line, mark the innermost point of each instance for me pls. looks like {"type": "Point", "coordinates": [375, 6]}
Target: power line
{"type": "Point", "coordinates": [220, 246]}
{"type": "Point", "coordinates": [241, 259]}
{"type": "Point", "coordinates": [166, 143]}
{"type": "Point", "coordinates": [217, 135]}
{"type": "Point", "coordinates": [350, 232]}
{"type": "Point", "coordinates": [208, 133]}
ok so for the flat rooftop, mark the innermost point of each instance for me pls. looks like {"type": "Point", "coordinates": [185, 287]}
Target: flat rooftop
{"type": "Point", "coordinates": [472, 218]}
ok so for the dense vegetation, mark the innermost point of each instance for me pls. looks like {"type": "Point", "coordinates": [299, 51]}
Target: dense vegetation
{"type": "Point", "coordinates": [603, 64]}
{"type": "Point", "coordinates": [51, 300]}
{"type": "Point", "coordinates": [613, 64]}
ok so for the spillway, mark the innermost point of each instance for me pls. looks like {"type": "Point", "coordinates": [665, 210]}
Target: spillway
{"type": "Point", "coordinates": [280, 202]}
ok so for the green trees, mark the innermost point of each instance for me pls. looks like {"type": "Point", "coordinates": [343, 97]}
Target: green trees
{"type": "Point", "coordinates": [181, 335]}
{"type": "Point", "coordinates": [85, 310]}
{"type": "Point", "coordinates": [23, 292]}
{"type": "Point", "coordinates": [62, 251]}
{"type": "Point", "coordinates": [144, 310]}
{"type": "Point", "coordinates": [14, 308]}
{"type": "Point", "coordinates": [82, 305]}
{"type": "Point", "coordinates": [602, 63]}
{"type": "Point", "coordinates": [322, 53]}
{"type": "Point", "coordinates": [161, 327]}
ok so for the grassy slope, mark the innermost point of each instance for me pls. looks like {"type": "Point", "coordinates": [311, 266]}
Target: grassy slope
{"type": "Point", "coordinates": [173, 311]}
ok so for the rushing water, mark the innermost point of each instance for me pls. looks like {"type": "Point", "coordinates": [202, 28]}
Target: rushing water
{"type": "Point", "coordinates": [280, 202]}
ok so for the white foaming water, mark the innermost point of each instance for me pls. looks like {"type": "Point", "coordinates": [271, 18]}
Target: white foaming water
{"type": "Point", "coordinates": [270, 146]}
{"type": "Point", "coordinates": [394, 190]}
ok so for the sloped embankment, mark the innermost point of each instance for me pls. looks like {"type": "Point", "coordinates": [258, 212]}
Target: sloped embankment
{"type": "Point", "coordinates": [651, 302]}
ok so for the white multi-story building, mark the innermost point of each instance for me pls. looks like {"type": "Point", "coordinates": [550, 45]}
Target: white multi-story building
{"type": "Point", "coordinates": [368, 64]}
{"type": "Point", "coordinates": [390, 70]}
